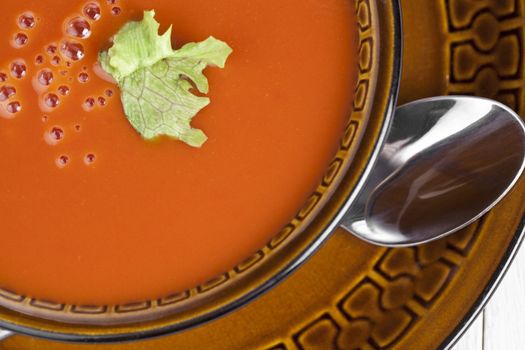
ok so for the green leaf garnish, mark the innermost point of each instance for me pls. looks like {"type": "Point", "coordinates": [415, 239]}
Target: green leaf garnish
{"type": "Point", "coordinates": [156, 81]}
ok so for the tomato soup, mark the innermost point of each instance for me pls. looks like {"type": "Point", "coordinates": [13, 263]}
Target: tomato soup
{"type": "Point", "coordinates": [91, 213]}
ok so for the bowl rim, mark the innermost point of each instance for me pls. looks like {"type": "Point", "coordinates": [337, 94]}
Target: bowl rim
{"type": "Point", "coordinates": [286, 270]}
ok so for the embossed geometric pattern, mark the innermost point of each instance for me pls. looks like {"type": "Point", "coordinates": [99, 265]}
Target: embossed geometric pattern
{"type": "Point", "coordinates": [486, 45]}
{"type": "Point", "coordinates": [378, 311]}
{"type": "Point", "coordinates": [366, 302]}
{"type": "Point", "coordinates": [321, 334]}
{"type": "Point", "coordinates": [462, 13]}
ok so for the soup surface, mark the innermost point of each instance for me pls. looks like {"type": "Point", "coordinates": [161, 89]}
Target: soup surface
{"type": "Point", "coordinates": [90, 213]}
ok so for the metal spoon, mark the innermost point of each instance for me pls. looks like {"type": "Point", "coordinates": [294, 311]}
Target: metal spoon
{"type": "Point", "coordinates": [446, 161]}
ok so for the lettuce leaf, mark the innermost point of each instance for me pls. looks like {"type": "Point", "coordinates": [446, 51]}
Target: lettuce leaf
{"type": "Point", "coordinates": [156, 81]}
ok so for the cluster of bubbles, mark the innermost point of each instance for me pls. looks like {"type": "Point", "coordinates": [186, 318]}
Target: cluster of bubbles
{"type": "Point", "coordinates": [63, 160]}
{"type": "Point", "coordinates": [17, 70]}
{"type": "Point", "coordinates": [91, 102]}
{"type": "Point", "coordinates": [26, 22]}
{"type": "Point", "coordinates": [55, 135]}
{"type": "Point", "coordinates": [64, 52]}
{"type": "Point", "coordinates": [68, 49]}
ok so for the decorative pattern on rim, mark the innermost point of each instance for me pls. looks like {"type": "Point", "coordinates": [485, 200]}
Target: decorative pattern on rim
{"type": "Point", "coordinates": [49, 309]}
{"type": "Point", "coordinates": [485, 42]}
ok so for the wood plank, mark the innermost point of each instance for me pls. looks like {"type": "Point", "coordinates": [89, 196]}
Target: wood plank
{"type": "Point", "coordinates": [504, 316]}
{"type": "Point", "coordinates": [473, 339]}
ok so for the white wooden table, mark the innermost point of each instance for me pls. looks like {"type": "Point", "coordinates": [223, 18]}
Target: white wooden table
{"type": "Point", "coordinates": [502, 325]}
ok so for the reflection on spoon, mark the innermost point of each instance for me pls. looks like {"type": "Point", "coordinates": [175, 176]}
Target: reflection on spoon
{"type": "Point", "coordinates": [446, 161]}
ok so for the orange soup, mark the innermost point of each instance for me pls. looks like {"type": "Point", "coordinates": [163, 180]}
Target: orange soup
{"type": "Point", "coordinates": [91, 213]}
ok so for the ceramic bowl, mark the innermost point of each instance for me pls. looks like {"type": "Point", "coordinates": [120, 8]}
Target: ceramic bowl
{"type": "Point", "coordinates": [379, 65]}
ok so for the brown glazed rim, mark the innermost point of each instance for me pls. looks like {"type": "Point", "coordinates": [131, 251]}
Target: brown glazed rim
{"type": "Point", "coordinates": [317, 219]}
{"type": "Point", "coordinates": [489, 290]}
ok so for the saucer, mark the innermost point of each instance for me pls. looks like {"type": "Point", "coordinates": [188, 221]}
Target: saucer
{"type": "Point", "coordinates": [351, 295]}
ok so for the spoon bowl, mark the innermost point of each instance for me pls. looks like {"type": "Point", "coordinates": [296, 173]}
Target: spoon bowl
{"type": "Point", "coordinates": [446, 161]}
